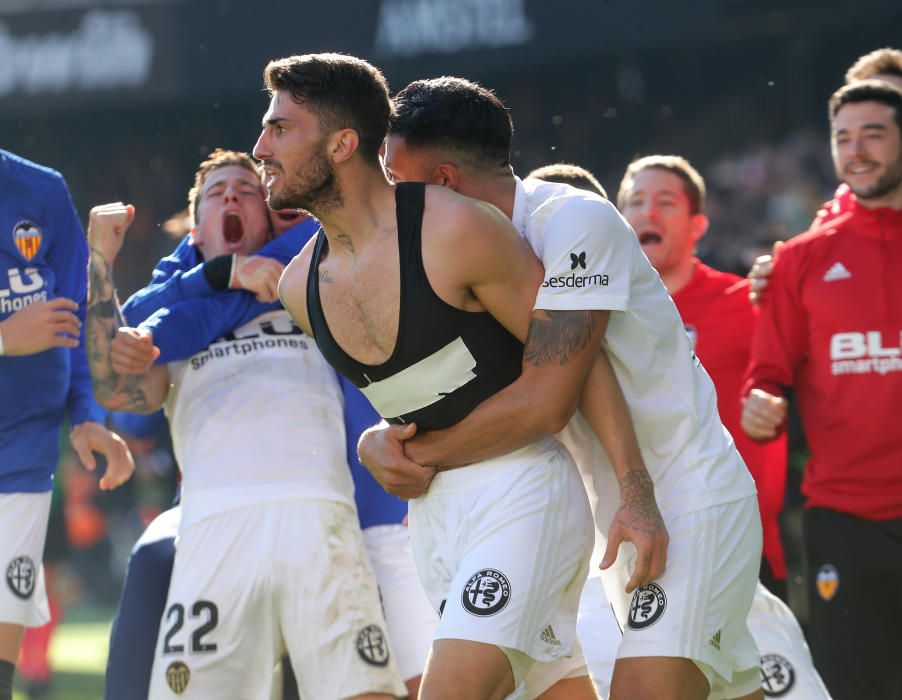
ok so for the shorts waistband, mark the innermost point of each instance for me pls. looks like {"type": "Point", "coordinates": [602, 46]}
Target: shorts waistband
{"type": "Point", "coordinates": [482, 472]}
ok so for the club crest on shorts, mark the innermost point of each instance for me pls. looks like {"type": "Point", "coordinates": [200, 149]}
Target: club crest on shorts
{"type": "Point", "coordinates": [372, 646]}
{"type": "Point", "coordinates": [827, 581]}
{"type": "Point", "coordinates": [21, 576]}
{"type": "Point", "coordinates": [177, 676]}
{"type": "Point", "coordinates": [27, 237]}
{"type": "Point", "coordinates": [777, 675]}
{"type": "Point", "coordinates": [487, 592]}
{"type": "Point", "coordinates": [647, 606]}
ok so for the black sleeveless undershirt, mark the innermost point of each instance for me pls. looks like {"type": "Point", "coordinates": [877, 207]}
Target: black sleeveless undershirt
{"type": "Point", "coordinates": [436, 392]}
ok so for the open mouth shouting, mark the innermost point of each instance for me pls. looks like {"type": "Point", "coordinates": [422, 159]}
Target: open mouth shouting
{"type": "Point", "coordinates": [232, 230]}
{"type": "Point", "coordinates": [649, 238]}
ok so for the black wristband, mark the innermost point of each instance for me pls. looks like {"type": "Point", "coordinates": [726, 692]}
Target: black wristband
{"type": "Point", "coordinates": [218, 272]}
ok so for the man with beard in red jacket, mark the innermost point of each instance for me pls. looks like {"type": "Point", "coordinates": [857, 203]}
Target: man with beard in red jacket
{"type": "Point", "coordinates": [831, 326]}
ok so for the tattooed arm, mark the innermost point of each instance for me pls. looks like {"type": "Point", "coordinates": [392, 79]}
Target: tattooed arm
{"type": "Point", "coordinates": [133, 393]}
{"type": "Point", "coordinates": [637, 518]}
{"type": "Point", "coordinates": [560, 350]}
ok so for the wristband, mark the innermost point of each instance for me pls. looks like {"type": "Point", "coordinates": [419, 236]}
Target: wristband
{"type": "Point", "coordinates": [218, 271]}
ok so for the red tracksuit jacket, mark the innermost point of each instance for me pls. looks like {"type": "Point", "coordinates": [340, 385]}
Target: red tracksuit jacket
{"type": "Point", "coordinates": [719, 318]}
{"type": "Point", "coordinates": [831, 326]}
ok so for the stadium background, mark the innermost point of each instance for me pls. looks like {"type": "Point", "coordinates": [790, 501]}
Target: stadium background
{"type": "Point", "coordinates": [125, 97]}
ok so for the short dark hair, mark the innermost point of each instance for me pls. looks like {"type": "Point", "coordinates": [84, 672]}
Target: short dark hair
{"type": "Point", "coordinates": [880, 62]}
{"type": "Point", "coordinates": [693, 183]}
{"type": "Point", "coordinates": [220, 158]}
{"type": "Point", "coordinates": [454, 113]}
{"type": "Point", "coordinates": [867, 91]}
{"type": "Point", "coordinates": [569, 174]}
{"type": "Point", "coordinates": [344, 92]}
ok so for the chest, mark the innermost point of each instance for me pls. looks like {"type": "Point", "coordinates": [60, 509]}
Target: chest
{"type": "Point", "coordinates": [854, 288]}
{"type": "Point", "coordinates": [361, 301]}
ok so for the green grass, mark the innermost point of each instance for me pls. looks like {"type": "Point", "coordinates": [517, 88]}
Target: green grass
{"type": "Point", "coordinates": [78, 657]}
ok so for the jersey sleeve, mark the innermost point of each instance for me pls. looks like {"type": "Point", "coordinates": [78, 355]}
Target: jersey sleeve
{"type": "Point", "coordinates": [780, 342]}
{"type": "Point", "coordinates": [283, 248]}
{"type": "Point", "coordinates": [68, 256]}
{"type": "Point", "coordinates": [189, 326]}
{"type": "Point", "coordinates": [588, 257]}
{"type": "Point", "coordinates": [177, 277]}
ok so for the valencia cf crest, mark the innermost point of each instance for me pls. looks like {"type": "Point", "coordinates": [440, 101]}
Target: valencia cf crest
{"type": "Point", "coordinates": [177, 677]}
{"type": "Point", "coordinates": [27, 237]}
{"type": "Point", "coordinates": [827, 581]}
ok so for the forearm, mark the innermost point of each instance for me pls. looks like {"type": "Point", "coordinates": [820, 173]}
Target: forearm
{"type": "Point", "coordinates": [559, 352]}
{"type": "Point", "coordinates": [186, 328]}
{"type": "Point", "coordinates": [180, 286]}
{"type": "Point", "coordinates": [116, 392]}
{"type": "Point", "coordinates": [501, 424]}
{"type": "Point", "coordinates": [605, 409]}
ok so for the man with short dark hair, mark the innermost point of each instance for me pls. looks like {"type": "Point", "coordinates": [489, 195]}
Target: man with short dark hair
{"type": "Point", "coordinates": [421, 298]}
{"type": "Point", "coordinates": [830, 327]}
{"type": "Point", "coordinates": [593, 262]}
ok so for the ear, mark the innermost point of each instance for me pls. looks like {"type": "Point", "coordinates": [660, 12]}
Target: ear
{"type": "Point", "coordinates": [343, 144]}
{"type": "Point", "coordinates": [194, 235]}
{"type": "Point", "coordinates": [699, 224]}
{"type": "Point", "coordinates": [447, 175]}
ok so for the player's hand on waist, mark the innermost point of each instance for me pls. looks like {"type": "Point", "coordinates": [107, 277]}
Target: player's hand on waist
{"type": "Point", "coordinates": [381, 450]}
{"type": "Point", "coordinates": [89, 437]}
{"type": "Point", "coordinates": [132, 351]}
{"type": "Point", "coordinates": [41, 326]}
{"type": "Point", "coordinates": [639, 521]}
{"type": "Point", "coordinates": [107, 225]}
{"type": "Point", "coordinates": [763, 414]}
{"type": "Point", "coordinates": [258, 275]}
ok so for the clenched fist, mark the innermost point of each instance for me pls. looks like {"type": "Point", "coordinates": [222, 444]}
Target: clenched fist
{"type": "Point", "coordinates": [762, 414]}
{"type": "Point", "coordinates": [107, 225]}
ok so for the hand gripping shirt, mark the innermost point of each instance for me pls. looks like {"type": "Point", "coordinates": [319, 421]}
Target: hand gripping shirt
{"type": "Point", "coordinates": [43, 255]}
{"type": "Point", "coordinates": [593, 261]}
{"type": "Point", "coordinates": [831, 326]}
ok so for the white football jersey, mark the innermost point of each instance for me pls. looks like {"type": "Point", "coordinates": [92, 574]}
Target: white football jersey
{"type": "Point", "coordinates": [257, 417]}
{"type": "Point", "coordinates": [593, 261]}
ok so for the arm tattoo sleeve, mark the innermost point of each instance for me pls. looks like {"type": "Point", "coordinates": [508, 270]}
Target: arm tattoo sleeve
{"type": "Point", "coordinates": [557, 336]}
{"type": "Point", "coordinates": [103, 317]}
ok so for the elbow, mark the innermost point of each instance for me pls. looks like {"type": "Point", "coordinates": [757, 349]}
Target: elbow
{"type": "Point", "coordinates": [554, 413]}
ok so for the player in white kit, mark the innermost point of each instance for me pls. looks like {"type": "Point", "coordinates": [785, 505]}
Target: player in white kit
{"type": "Point", "coordinates": [270, 553]}
{"type": "Point", "coordinates": [685, 632]}
{"type": "Point", "coordinates": [507, 556]}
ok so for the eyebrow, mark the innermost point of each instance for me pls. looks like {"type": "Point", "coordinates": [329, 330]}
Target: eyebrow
{"type": "Point", "coordinates": [273, 121]}
{"type": "Point", "coordinates": [241, 181]}
{"type": "Point", "coordinates": [876, 127]}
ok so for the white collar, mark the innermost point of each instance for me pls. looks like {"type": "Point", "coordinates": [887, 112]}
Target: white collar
{"type": "Point", "coordinates": [520, 218]}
